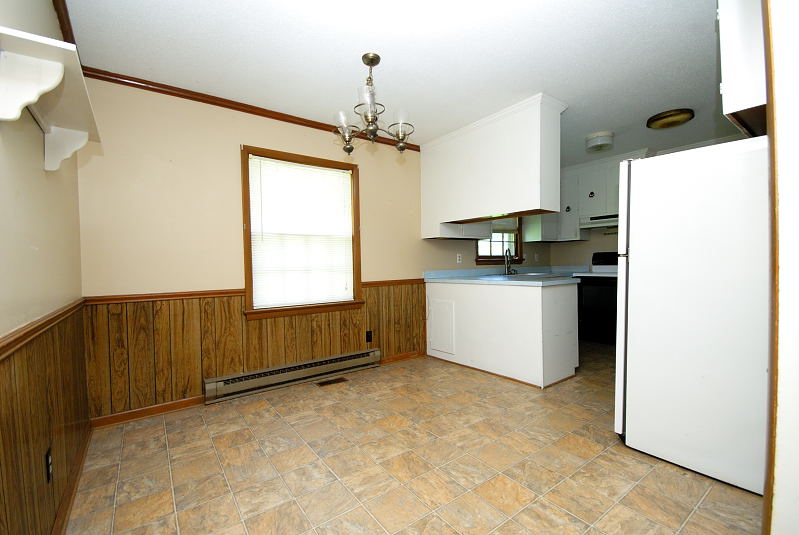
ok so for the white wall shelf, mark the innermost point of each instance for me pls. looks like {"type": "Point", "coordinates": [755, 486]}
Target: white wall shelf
{"type": "Point", "coordinates": [46, 76]}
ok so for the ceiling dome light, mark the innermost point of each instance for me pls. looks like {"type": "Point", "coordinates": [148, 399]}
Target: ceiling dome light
{"type": "Point", "coordinates": [599, 141]}
{"type": "Point", "coordinates": [670, 118]}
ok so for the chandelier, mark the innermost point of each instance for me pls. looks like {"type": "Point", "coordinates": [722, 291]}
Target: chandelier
{"type": "Point", "coordinates": [369, 110]}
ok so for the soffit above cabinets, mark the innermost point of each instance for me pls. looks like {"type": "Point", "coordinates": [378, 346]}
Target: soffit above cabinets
{"type": "Point", "coordinates": [615, 63]}
{"type": "Point", "coordinates": [45, 76]}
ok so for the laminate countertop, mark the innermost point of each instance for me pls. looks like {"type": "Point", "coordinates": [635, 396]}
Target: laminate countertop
{"type": "Point", "coordinates": [521, 279]}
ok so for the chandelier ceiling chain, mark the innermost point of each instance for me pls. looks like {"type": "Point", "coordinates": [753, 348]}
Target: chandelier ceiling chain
{"type": "Point", "coordinates": [369, 111]}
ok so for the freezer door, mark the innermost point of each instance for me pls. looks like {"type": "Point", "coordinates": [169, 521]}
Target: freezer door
{"type": "Point", "coordinates": [621, 296]}
{"type": "Point", "coordinates": [698, 332]}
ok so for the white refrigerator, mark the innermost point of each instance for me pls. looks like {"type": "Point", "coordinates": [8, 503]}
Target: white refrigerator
{"type": "Point", "coordinates": [692, 348]}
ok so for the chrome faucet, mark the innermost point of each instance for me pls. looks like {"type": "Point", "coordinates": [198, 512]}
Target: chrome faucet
{"type": "Point", "coordinates": [508, 270]}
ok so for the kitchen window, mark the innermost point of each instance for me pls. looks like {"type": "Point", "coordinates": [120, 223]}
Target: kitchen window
{"type": "Point", "coordinates": [505, 234]}
{"type": "Point", "coordinates": [301, 234]}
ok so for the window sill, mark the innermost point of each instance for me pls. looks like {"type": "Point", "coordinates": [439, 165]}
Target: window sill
{"type": "Point", "coordinates": [495, 261]}
{"type": "Point", "coordinates": [278, 312]}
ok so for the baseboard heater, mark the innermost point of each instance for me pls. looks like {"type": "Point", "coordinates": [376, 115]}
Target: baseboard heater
{"type": "Point", "coordinates": [242, 384]}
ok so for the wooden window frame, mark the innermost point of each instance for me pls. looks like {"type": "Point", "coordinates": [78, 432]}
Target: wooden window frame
{"type": "Point", "coordinates": [517, 258]}
{"type": "Point", "coordinates": [252, 313]}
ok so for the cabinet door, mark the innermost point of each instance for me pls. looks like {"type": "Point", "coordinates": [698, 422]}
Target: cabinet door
{"type": "Point", "coordinates": [612, 188]}
{"type": "Point", "coordinates": [592, 190]}
{"type": "Point", "coordinates": [569, 217]}
{"type": "Point", "coordinates": [441, 318]}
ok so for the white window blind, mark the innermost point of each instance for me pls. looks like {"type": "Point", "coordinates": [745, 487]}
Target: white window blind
{"type": "Point", "coordinates": [301, 233]}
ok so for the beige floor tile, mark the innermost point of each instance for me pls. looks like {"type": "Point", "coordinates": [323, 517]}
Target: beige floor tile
{"type": "Point", "coordinates": [579, 500]}
{"type": "Point", "coordinates": [534, 476]}
{"type": "Point", "coordinates": [327, 502]}
{"type": "Point", "coordinates": [143, 510]}
{"type": "Point", "coordinates": [162, 526]}
{"type": "Point", "coordinates": [438, 452]}
{"type": "Point", "coordinates": [209, 517]}
{"type": "Point", "coordinates": [96, 523]}
{"type": "Point", "coordinates": [522, 443]}
{"type": "Point", "coordinates": [603, 480]}
{"type": "Point", "coordinates": [262, 496]}
{"type": "Point", "coordinates": [307, 478]}
{"type": "Point", "coordinates": [294, 458]}
{"type": "Point", "coordinates": [657, 507]}
{"type": "Point", "coordinates": [557, 459]}
{"type": "Point", "coordinates": [397, 509]}
{"type": "Point", "coordinates": [355, 522]}
{"type": "Point", "coordinates": [200, 490]}
{"type": "Point", "coordinates": [702, 524]}
{"type": "Point", "coordinates": [133, 467]}
{"type": "Point", "coordinates": [91, 500]}
{"type": "Point", "coordinates": [406, 466]}
{"type": "Point", "coordinates": [143, 485]}
{"type": "Point", "coordinates": [285, 440]}
{"type": "Point", "coordinates": [413, 437]}
{"type": "Point", "coordinates": [497, 455]}
{"type": "Point", "coordinates": [541, 517]}
{"type": "Point", "coordinates": [441, 426]}
{"type": "Point", "coordinates": [188, 434]}
{"type": "Point", "coordinates": [146, 433]}
{"type": "Point", "coordinates": [435, 488]}
{"type": "Point", "coordinates": [349, 462]}
{"type": "Point", "coordinates": [623, 465]}
{"type": "Point", "coordinates": [317, 430]}
{"type": "Point", "coordinates": [363, 433]}
{"type": "Point", "coordinates": [185, 451]}
{"type": "Point", "coordinates": [468, 471]}
{"type": "Point", "coordinates": [429, 525]}
{"type": "Point", "coordinates": [579, 446]}
{"type": "Point", "coordinates": [195, 468]}
{"type": "Point", "coordinates": [325, 447]}
{"type": "Point", "coordinates": [624, 521]}
{"type": "Point", "coordinates": [232, 438]}
{"type": "Point", "coordinates": [467, 439]}
{"type": "Point", "coordinates": [728, 504]}
{"type": "Point", "coordinates": [470, 515]}
{"type": "Point", "coordinates": [242, 475]}
{"type": "Point", "coordinates": [98, 477]}
{"type": "Point", "coordinates": [383, 448]}
{"type": "Point", "coordinates": [491, 428]}
{"type": "Point", "coordinates": [598, 433]}
{"type": "Point", "coordinates": [510, 528]}
{"type": "Point", "coordinates": [226, 426]}
{"type": "Point", "coordinates": [541, 432]}
{"type": "Point", "coordinates": [392, 424]}
{"type": "Point", "coordinates": [505, 494]}
{"type": "Point", "coordinates": [370, 483]}
{"type": "Point", "coordinates": [682, 485]}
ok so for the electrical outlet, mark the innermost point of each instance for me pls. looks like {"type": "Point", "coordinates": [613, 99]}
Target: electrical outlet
{"type": "Point", "coordinates": [368, 336]}
{"type": "Point", "coordinates": [48, 464]}
{"type": "Point", "coordinates": [459, 258]}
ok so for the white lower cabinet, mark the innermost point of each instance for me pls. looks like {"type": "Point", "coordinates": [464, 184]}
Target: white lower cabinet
{"type": "Point", "coordinates": [527, 333]}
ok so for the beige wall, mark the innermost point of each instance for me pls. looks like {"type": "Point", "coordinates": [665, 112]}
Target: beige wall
{"type": "Point", "coordinates": [32, 16]}
{"type": "Point", "coordinates": [160, 198]}
{"type": "Point", "coordinates": [39, 228]}
{"type": "Point", "coordinates": [578, 253]}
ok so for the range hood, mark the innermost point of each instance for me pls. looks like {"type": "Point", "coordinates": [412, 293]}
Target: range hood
{"type": "Point", "coordinates": [599, 221]}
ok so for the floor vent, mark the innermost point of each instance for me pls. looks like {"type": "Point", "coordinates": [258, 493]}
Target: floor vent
{"type": "Point", "coordinates": [233, 386]}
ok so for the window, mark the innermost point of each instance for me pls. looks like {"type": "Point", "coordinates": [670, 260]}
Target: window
{"type": "Point", "coordinates": [505, 234]}
{"type": "Point", "coordinates": [301, 239]}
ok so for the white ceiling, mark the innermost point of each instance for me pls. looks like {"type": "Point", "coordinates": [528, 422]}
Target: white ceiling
{"type": "Point", "coordinates": [448, 63]}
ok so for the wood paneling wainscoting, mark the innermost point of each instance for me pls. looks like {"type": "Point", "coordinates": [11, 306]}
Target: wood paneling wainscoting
{"type": "Point", "coordinates": [149, 349]}
{"type": "Point", "coordinates": [43, 405]}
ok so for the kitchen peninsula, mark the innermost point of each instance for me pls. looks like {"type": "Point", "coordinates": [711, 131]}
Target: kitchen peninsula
{"type": "Point", "coordinates": [522, 326]}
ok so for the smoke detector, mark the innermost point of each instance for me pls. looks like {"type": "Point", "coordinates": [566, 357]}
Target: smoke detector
{"type": "Point", "coordinates": [599, 141]}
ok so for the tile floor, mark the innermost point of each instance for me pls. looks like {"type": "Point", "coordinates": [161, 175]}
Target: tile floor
{"type": "Point", "coordinates": [418, 447]}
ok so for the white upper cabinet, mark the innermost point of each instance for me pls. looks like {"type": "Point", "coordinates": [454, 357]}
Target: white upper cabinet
{"type": "Point", "coordinates": [564, 225]}
{"type": "Point", "coordinates": [598, 188]}
{"type": "Point", "coordinates": [506, 163]}
{"type": "Point", "coordinates": [743, 65]}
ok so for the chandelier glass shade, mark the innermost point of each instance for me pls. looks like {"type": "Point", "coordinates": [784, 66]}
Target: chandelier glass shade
{"type": "Point", "coordinates": [369, 111]}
